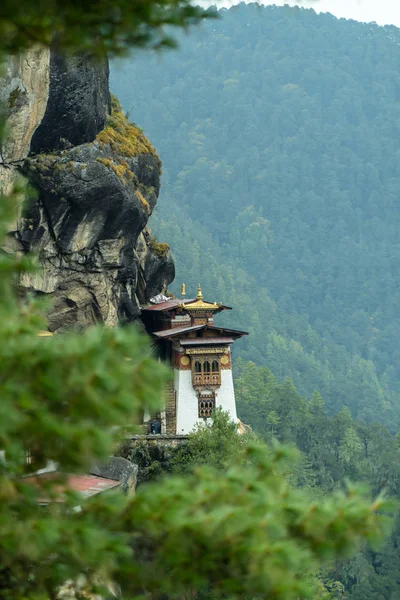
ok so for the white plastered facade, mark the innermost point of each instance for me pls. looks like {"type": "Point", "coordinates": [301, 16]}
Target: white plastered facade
{"type": "Point", "coordinates": [187, 404]}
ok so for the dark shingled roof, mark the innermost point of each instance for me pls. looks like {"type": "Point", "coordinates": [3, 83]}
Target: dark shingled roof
{"type": "Point", "coordinates": [204, 341]}
{"type": "Point", "coordinates": [225, 330]}
{"type": "Point", "coordinates": [177, 331]}
{"type": "Point", "coordinates": [164, 333]}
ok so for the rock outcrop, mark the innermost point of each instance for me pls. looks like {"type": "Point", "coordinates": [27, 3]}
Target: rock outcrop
{"type": "Point", "coordinates": [97, 179]}
{"type": "Point", "coordinates": [120, 469]}
{"type": "Point", "coordinates": [78, 104]}
{"type": "Point", "coordinates": [24, 92]}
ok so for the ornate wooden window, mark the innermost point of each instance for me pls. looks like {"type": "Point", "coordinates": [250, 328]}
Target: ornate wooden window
{"type": "Point", "coordinates": [206, 372]}
{"type": "Point", "coordinates": [206, 405]}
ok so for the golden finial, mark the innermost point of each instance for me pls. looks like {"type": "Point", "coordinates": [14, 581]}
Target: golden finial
{"type": "Point", "coordinates": [183, 290]}
{"type": "Point", "coordinates": [199, 293]}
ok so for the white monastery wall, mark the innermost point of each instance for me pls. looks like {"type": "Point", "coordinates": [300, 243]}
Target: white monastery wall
{"type": "Point", "coordinates": [226, 394]}
{"type": "Point", "coordinates": [186, 402]}
{"type": "Point", "coordinates": [187, 408]}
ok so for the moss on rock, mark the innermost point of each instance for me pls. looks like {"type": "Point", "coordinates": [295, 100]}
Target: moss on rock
{"type": "Point", "coordinates": [120, 168]}
{"type": "Point", "coordinates": [143, 201]}
{"type": "Point", "coordinates": [13, 97]}
{"type": "Point", "coordinates": [159, 249]}
{"type": "Point", "coordinates": [124, 138]}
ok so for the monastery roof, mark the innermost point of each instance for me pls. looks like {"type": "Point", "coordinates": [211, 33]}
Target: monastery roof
{"type": "Point", "coordinates": [174, 331]}
{"type": "Point", "coordinates": [178, 331]}
{"type": "Point", "coordinates": [85, 485]}
{"type": "Point", "coordinates": [233, 331]}
{"type": "Point", "coordinates": [167, 305]}
{"type": "Point", "coordinates": [206, 341]}
{"type": "Point", "coordinates": [160, 303]}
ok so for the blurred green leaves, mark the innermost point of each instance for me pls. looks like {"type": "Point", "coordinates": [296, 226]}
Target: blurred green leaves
{"type": "Point", "coordinates": [245, 532]}
{"type": "Point", "coordinates": [105, 26]}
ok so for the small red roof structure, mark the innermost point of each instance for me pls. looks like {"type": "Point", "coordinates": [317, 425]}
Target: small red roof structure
{"type": "Point", "coordinates": [85, 485]}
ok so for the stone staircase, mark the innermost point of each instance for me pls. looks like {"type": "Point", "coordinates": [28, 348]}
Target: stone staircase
{"type": "Point", "coordinates": [170, 408]}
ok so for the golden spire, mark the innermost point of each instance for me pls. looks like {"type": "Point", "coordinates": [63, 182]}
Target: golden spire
{"type": "Point", "coordinates": [183, 290]}
{"type": "Point", "coordinates": [200, 304]}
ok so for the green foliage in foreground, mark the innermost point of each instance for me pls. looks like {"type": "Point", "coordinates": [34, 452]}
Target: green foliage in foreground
{"type": "Point", "coordinates": [109, 26]}
{"type": "Point", "coordinates": [372, 574]}
{"type": "Point", "coordinates": [245, 531]}
{"type": "Point", "coordinates": [63, 399]}
{"type": "Point", "coordinates": [216, 444]}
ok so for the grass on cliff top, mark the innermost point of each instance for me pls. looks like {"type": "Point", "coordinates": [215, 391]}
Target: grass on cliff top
{"type": "Point", "coordinates": [159, 249]}
{"type": "Point", "coordinates": [124, 137]}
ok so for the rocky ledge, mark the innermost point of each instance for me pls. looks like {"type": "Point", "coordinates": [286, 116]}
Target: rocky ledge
{"type": "Point", "coordinates": [97, 179]}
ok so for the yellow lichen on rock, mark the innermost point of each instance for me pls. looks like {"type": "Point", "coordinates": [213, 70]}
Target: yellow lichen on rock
{"type": "Point", "coordinates": [120, 168]}
{"type": "Point", "coordinates": [124, 138]}
{"type": "Point", "coordinates": [107, 162]}
{"type": "Point", "coordinates": [123, 171]}
{"type": "Point", "coordinates": [142, 200]}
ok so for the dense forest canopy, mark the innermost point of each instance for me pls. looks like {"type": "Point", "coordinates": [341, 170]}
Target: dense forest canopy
{"type": "Point", "coordinates": [279, 132]}
{"type": "Point", "coordinates": [333, 449]}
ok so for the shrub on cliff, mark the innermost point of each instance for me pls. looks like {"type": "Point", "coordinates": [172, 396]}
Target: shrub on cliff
{"type": "Point", "coordinates": [125, 138]}
{"type": "Point", "coordinates": [216, 445]}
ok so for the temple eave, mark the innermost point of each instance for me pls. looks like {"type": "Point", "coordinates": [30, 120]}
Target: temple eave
{"type": "Point", "coordinates": [206, 341]}
{"type": "Point", "coordinates": [176, 332]}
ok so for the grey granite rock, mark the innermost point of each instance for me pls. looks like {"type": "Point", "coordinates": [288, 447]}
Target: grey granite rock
{"type": "Point", "coordinates": [24, 91]}
{"type": "Point", "coordinates": [79, 102]}
{"type": "Point", "coordinates": [96, 189]}
{"type": "Point", "coordinates": [120, 469]}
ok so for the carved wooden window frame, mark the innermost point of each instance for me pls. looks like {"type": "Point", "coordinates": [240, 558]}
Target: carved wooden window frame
{"type": "Point", "coordinates": [207, 377]}
{"type": "Point", "coordinates": [206, 406]}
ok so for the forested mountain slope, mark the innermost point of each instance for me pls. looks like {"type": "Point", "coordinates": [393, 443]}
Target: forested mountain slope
{"type": "Point", "coordinates": [279, 134]}
{"type": "Point", "coordinates": [333, 449]}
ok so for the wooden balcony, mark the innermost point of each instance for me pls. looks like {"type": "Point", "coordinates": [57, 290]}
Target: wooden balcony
{"type": "Point", "coordinates": [204, 379]}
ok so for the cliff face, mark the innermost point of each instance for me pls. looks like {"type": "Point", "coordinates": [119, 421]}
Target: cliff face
{"type": "Point", "coordinates": [97, 180]}
{"type": "Point", "coordinates": [24, 91]}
